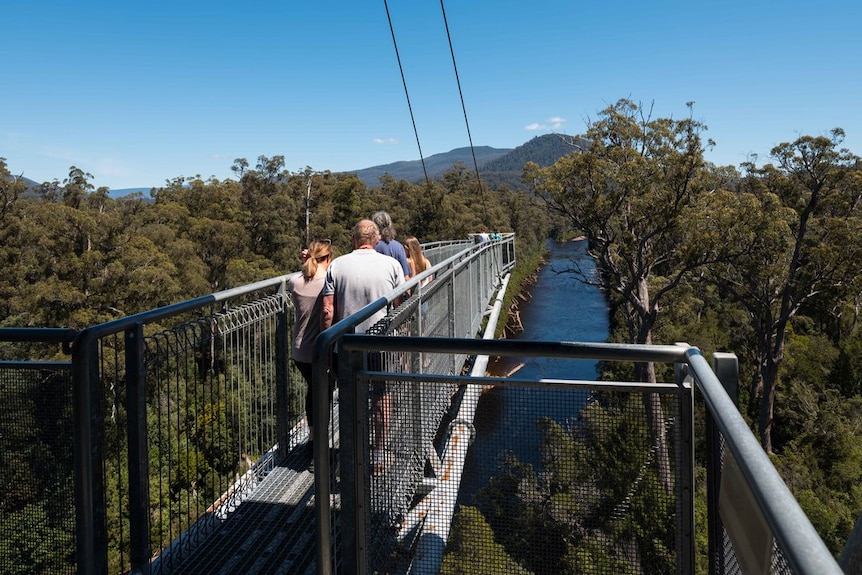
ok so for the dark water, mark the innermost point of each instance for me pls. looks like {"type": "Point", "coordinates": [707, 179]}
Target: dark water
{"type": "Point", "coordinates": [561, 309]}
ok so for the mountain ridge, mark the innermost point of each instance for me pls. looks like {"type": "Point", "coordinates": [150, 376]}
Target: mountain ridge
{"type": "Point", "coordinates": [497, 166]}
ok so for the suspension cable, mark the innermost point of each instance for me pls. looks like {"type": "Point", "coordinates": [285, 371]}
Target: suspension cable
{"type": "Point", "coordinates": [406, 93]}
{"type": "Point", "coordinates": [464, 109]}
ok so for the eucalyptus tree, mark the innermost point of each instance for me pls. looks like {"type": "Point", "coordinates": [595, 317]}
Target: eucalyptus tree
{"type": "Point", "coordinates": [76, 187]}
{"type": "Point", "coordinates": [213, 220]}
{"type": "Point", "coordinates": [806, 245]}
{"type": "Point", "coordinates": [271, 208]}
{"type": "Point", "coordinates": [349, 197]}
{"type": "Point", "coordinates": [11, 189]}
{"type": "Point", "coordinates": [631, 189]}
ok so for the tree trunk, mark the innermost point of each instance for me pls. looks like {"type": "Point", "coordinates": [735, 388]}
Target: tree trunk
{"type": "Point", "coordinates": [767, 402]}
{"type": "Point", "coordinates": [755, 394]}
{"type": "Point", "coordinates": [656, 422]}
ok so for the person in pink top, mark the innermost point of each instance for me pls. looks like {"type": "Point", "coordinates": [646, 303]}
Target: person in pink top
{"type": "Point", "coordinates": [305, 290]}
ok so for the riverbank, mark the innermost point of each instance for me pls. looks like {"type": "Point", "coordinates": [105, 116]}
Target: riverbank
{"type": "Point", "coordinates": [520, 291]}
{"type": "Point", "coordinates": [520, 294]}
{"type": "Point", "coordinates": [554, 306]}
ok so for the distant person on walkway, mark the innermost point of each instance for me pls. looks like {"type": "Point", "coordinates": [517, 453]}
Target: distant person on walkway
{"type": "Point", "coordinates": [353, 281]}
{"type": "Point", "coordinates": [418, 264]}
{"type": "Point", "coordinates": [388, 244]}
{"type": "Point", "coordinates": [416, 258]}
{"type": "Point", "coordinates": [305, 291]}
{"type": "Point", "coordinates": [482, 236]}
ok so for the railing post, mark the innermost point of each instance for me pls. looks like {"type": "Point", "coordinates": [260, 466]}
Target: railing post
{"type": "Point", "coordinates": [450, 293]}
{"type": "Point", "coordinates": [726, 368]}
{"type": "Point", "coordinates": [282, 378]}
{"type": "Point", "coordinates": [353, 402]}
{"type": "Point", "coordinates": [136, 429]}
{"type": "Point", "coordinates": [89, 447]}
{"type": "Point", "coordinates": [320, 383]}
{"type": "Point", "coordinates": [685, 481]}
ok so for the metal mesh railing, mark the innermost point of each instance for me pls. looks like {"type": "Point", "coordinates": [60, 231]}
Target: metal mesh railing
{"type": "Point", "coordinates": [564, 481]}
{"type": "Point", "coordinates": [737, 555]}
{"type": "Point", "coordinates": [37, 506]}
{"type": "Point", "coordinates": [561, 475]}
{"type": "Point", "coordinates": [216, 431]}
{"type": "Point", "coordinates": [192, 406]}
{"type": "Point", "coordinates": [183, 413]}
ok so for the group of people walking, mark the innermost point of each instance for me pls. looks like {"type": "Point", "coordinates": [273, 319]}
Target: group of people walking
{"type": "Point", "coordinates": [330, 289]}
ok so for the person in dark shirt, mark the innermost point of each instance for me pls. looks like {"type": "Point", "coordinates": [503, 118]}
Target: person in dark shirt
{"type": "Point", "coordinates": [388, 245]}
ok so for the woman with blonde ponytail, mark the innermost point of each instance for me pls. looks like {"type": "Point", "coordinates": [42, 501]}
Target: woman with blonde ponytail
{"type": "Point", "coordinates": [305, 289]}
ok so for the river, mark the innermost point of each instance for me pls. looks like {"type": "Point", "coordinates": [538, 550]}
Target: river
{"type": "Point", "coordinates": [561, 309]}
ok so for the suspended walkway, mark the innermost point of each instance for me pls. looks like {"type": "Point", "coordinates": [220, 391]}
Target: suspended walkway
{"type": "Point", "coordinates": [175, 443]}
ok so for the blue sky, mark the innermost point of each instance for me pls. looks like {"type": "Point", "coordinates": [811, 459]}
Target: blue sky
{"type": "Point", "coordinates": [138, 93]}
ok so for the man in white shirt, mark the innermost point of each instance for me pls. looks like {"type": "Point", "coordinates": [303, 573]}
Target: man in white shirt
{"type": "Point", "coordinates": [353, 281]}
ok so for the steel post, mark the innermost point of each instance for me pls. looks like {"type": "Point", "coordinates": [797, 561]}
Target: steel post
{"type": "Point", "coordinates": [138, 464]}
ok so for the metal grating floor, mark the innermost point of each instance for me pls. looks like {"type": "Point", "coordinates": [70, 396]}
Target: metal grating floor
{"type": "Point", "coordinates": [270, 533]}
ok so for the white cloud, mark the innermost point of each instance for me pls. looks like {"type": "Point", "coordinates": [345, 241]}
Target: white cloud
{"type": "Point", "coordinates": [553, 124]}
{"type": "Point", "coordinates": [385, 141]}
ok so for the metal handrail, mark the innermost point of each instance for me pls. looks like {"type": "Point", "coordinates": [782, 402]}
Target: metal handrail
{"type": "Point", "coordinates": [86, 407]}
{"type": "Point", "coordinates": [802, 546]}
{"type": "Point", "coordinates": [322, 362]}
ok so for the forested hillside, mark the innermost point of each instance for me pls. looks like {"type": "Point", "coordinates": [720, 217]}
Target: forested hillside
{"type": "Point", "coordinates": [543, 151]}
{"type": "Point", "coordinates": [435, 165]}
{"type": "Point", "coordinates": [498, 166]}
{"type": "Point", "coordinates": [72, 256]}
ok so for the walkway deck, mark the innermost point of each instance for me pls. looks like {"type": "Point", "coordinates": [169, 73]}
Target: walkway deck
{"type": "Point", "coordinates": [271, 533]}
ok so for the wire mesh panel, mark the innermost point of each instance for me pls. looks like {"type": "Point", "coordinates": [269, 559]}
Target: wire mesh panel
{"type": "Point", "coordinates": [37, 510]}
{"type": "Point", "coordinates": [194, 460]}
{"type": "Point", "coordinates": [573, 482]}
{"type": "Point", "coordinates": [214, 424]}
{"type": "Point", "coordinates": [436, 252]}
{"type": "Point", "coordinates": [758, 550]}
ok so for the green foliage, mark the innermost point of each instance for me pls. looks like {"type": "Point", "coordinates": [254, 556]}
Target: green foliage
{"type": "Point", "coordinates": [846, 373]}
{"type": "Point", "coordinates": [37, 515]}
{"type": "Point", "coordinates": [596, 503]}
{"type": "Point", "coordinates": [73, 257]}
{"type": "Point", "coordinates": [472, 549]}
{"type": "Point", "coordinates": [763, 263]}
{"type": "Point", "coordinates": [780, 286]}
{"type": "Point", "coordinates": [37, 542]}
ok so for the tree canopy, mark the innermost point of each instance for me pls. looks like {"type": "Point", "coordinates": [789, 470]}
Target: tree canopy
{"type": "Point", "coordinates": [73, 256]}
{"type": "Point", "coordinates": [763, 262]}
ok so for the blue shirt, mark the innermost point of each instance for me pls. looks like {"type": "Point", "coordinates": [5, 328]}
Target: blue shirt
{"type": "Point", "coordinates": [393, 248]}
